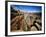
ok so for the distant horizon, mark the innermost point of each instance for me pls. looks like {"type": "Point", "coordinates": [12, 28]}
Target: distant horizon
{"type": "Point", "coordinates": [29, 9]}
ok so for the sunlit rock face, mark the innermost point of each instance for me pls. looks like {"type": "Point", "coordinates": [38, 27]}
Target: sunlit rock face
{"type": "Point", "coordinates": [25, 21]}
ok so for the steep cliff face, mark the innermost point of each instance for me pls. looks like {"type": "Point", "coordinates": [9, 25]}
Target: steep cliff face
{"type": "Point", "coordinates": [25, 21]}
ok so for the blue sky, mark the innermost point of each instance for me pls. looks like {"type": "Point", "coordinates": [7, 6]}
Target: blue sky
{"type": "Point", "coordinates": [27, 8]}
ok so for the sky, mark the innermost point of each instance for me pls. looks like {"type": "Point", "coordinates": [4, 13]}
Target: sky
{"type": "Point", "coordinates": [27, 8]}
